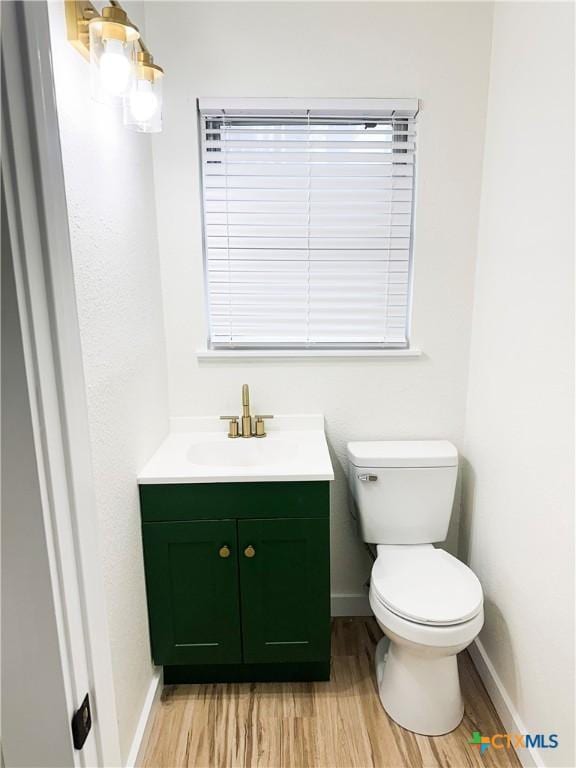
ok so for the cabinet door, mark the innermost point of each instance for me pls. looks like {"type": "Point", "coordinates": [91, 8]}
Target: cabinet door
{"type": "Point", "coordinates": [192, 585]}
{"type": "Point", "coordinates": [285, 589]}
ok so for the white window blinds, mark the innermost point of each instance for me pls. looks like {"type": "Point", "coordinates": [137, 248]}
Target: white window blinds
{"type": "Point", "coordinates": [308, 222]}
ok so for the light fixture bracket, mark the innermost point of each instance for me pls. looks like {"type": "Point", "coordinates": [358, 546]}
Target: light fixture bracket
{"type": "Point", "coordinates": [79, 13]}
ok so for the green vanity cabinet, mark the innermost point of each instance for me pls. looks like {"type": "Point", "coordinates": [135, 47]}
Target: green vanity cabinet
{"type": "Point", "coordinates": [238, 580]}
{"type": "Point", "coordinates": [193, 599]}
{"type": "Point", "coordinates": [284, 589]}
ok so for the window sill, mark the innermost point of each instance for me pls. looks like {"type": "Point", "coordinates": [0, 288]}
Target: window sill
{"type": "Point", "coordinates": [303, 354]}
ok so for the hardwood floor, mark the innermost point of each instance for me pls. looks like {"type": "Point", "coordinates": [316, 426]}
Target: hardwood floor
{"type": "Point", "coordinates": [335, 724]}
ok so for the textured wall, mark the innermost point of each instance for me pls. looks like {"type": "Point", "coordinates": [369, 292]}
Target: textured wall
{"type": "Point", "coordinates": [109, 185]}
{"type": "Point", "coordinates": [518, 515]}
{"type": "Point", "coordinates": [437, 52]}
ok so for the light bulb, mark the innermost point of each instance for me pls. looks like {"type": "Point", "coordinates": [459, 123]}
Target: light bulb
{"type": "Point", "coordinates": [143, 101]}
{"type": "Point", "coordinates": [115, 68]}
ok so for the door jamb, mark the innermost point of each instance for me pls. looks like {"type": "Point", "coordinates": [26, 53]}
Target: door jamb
{"type": "Point", "coordinates": [37, 212]}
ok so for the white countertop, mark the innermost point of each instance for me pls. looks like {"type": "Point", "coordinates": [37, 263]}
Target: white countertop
{"type": "Point", "coordinates": [198, 450]}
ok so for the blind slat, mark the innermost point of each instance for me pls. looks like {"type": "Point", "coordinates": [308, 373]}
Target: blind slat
{"type": "Point", "coordinates": [218, 255]}
{"type": "Point", "coordinates": [307, 228]}
{"type": "Point", "coordinates": [315, 151]}
{"type": "Point", "coordinates": [338, 219]}
{"type": "Point", "coordinates": [357, 196]}
{"type": "Point", "coordinates": [261, 209]}
{"type": "Point", "coordinates": [305, 242]}
{"type": "Point", "coordinates": [318, 188]}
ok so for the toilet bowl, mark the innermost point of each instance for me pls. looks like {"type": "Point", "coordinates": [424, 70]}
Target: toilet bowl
{"type": "Point", "coordinates": [429, 606]}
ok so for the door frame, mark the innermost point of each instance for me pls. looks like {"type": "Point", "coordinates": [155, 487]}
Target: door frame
{"type": "Point", "coordinates": [32, 175]}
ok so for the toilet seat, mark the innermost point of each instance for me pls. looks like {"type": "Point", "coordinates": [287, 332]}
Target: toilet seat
{"type": "Point", "coordinates": [425, 585]}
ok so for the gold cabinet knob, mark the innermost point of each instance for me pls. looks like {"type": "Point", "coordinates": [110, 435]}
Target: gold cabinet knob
{"type": "Point", "coordinates": [249, 551]}
{"type": "Point", "coordinates": [224, 551]}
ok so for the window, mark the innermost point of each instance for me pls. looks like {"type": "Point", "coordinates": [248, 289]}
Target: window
{"type": "Point", "coordinates": [308, 209]}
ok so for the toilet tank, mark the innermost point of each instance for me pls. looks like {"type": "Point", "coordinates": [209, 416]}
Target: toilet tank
{"type": "Point", "coordinates": [403, 490]}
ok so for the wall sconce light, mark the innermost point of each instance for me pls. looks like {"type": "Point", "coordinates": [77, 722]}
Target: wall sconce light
{"type": "Point", "coordinates": [122, 69]}
{"type": "Point", "coordinates": [112, 39]}
{"type": "Point", "coordinates": [143, 104]}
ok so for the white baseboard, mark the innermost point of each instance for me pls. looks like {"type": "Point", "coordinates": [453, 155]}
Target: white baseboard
{"type": "Point", "coordinates": [142, 732]}
{"type": "Point", "coordinates": [350, 605]}
{"type": "Point", "coordinates": [511, 720]}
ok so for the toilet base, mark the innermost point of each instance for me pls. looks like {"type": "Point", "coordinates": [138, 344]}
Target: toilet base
{"type": "Point", "coordinates": [419, 692]}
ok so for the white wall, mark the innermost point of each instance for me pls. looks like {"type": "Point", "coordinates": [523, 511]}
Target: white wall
{"type": "Point", "coordinates": [109, 186]}
{"type": "Point", "coordinates": [518, 530]}
{"type": "Point", "coordinates": [435, 51]}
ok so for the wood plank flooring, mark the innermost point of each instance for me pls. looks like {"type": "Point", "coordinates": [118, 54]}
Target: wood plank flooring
{"type": "Point", "coordinates": [335, 724]}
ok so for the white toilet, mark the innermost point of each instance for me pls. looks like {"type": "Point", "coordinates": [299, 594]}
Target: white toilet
{"type": "Point", "coordinates": [428, 603]}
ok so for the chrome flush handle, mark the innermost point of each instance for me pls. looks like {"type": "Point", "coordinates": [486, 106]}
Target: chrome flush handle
{"type": "Point", "coordinates": [368, 478]}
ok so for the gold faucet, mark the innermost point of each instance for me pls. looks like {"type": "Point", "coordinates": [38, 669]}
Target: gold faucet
{"type": "Point", "coordinates": [249, 428]}
{"type": "Point", "coordinates": [246, 417]}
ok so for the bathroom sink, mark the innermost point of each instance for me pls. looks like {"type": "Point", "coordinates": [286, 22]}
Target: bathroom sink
{"type": "Point", "coordinates": [242, 453]}
{"type": "Point", "coordinates": [198, 450]}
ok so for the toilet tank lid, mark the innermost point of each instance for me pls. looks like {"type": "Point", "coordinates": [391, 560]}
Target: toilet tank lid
{"type": "Point", "coordinates": [403, 453]}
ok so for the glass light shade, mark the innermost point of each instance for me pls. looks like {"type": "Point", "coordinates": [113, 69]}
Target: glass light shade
{"type": "Point", "coordinates": [143, 104]}
{"type": "Point", "coordinates": [112, 54]}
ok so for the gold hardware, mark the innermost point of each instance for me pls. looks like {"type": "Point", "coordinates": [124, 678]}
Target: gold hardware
{"type": "Point", "coordinates": [115, 24]}
{"type": "Point", "coordinates": [260, 431]}
{"type": "Point", "coordinates": [251, 426]}
{"type": "Point", "coordinates": [246, 418]}
{"type": "Point", "coordinates": [145, 67]}
{"type": "Point", "coordinates": [224, 551]}
{"type": "Point", "coordinates": [249, 551]}
{"type": "Point", "coordinates": [233, 426]}
{"type": "Point", "coordinates": [78, 14]}
{"type": "Point", "coordinates": [113, 20]}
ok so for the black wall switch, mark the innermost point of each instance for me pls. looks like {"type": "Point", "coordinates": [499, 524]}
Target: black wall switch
{"type": "Point", "coordinates": [81, 724]}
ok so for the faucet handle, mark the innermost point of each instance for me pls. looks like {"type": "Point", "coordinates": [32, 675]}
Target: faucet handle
{"type": "Point", "coordinates": [233, 426]}
{"type": "Point", "coordinates": [259, 426]}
